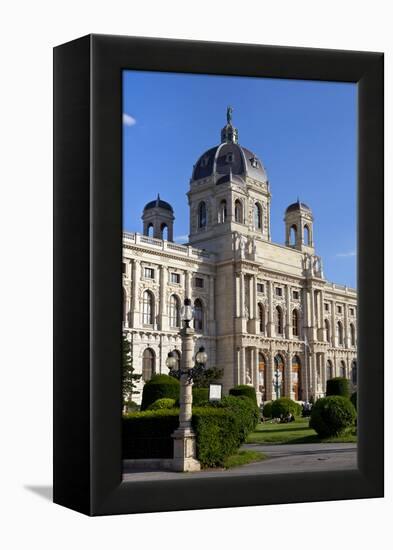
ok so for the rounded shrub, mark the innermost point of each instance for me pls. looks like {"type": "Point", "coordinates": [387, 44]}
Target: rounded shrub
{"type": "Point", "coordinates": [332, 415]}
{"type": "Point", "coordinates": [267, 409]}
{"type": "Point", "coordinates": [354, 399]}
{"type": "Point", "coordinates": [163, 403]}
{"type": "Point", "coordinates": [285, 406]}
{"type": "Point", "coordinates": [337, 386]}
{"type": "Point", "coordinates": [159, 386]}
{"type": "Point", "coordinates": [243, 389]}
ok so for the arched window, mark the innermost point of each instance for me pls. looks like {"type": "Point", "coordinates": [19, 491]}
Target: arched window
{"type": "Point", "coordinates": [295, 322]}
{"type": "Point", "coordinates": [353, 337]}
{"type": "Point", "coordinates": [148, 308]}
{"type": "Point", "coordinates": [342, 369]}
{"type": "Point", "coordinates": [261, 318]}
{"type": "Point", "coordinates": [292, 235]}
{"type": "Point", "coordinates": [279, 321]}
{"type": "Point", "coordinates": [202, 215]}
{"type": "Point", "coordinates": [339, 333]}
{"type": "Point", "coordinates": [148, 364]}
{"type": "Point", "coordinates": [223, 211]}
{"type": "Point", "coordinates": [307, 235]}
{"type": "Point", "coordinates": [262, 375]}
{"type": "Point", "coordinates": [238, 211]}
{"type": "Point", "coordinates": [327, 328]}
{"type": "Point", "coordinates": [198, 315]}
{"type": "Point", "coordinates": [164, 231]}
{"type": "Point", "coordinates": [174, 312]}
{"type": "Point", "coordinates": [278, 376]}
{"type": "Point", "coordinates": [329, 370]}
{"type": "Point", "coordinates": [257, 216]}
{"type": "Point", "coordinates": [354, 373]}
{"type": "Point", "coordinates": [296, 377]}
{"type": "Point", "coordinates": [150, 230]}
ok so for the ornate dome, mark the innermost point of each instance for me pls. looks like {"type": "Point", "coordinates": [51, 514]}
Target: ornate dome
{"type": "Point", "coordinates": [158, 203]}
{"type": "Point", "coordinates": [297, 206]}
{"type": "Point", "coordinates": [229, 158]}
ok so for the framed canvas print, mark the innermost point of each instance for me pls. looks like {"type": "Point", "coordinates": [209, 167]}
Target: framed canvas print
{"type": "Point", "coordinates": [218, 275]}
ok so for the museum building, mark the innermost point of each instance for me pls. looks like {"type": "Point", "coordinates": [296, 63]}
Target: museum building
{"type": "Point", "coordinates": [263, 311]}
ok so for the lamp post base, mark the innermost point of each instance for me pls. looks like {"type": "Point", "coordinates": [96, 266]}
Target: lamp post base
{"type": "Point", "coordinates": [184, 451]}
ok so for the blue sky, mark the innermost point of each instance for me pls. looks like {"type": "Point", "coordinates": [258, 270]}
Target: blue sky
{"type": "Point", "coordinates": [303, 131]}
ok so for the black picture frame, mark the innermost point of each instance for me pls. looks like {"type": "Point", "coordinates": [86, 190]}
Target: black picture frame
{"type": "Point", "coordinates": [87, 272]}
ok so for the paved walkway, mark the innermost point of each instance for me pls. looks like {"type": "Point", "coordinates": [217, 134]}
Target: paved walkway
{"type": "Point", "coordinates": [309, 457]}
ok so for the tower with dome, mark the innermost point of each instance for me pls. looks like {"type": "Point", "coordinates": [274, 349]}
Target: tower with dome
{"type": "Point", "coordinates": [263, 310]}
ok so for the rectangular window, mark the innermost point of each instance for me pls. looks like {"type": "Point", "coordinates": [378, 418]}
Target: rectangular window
{"type": "Point", "coordinates": [149, 272]}
{"type": "Point", "coordinates": [339, 309]}
{"type": "Point", "coordinates": [124, 268]}
{"type": "Point", "coordinates": [175, 278]}
{"type": "Point", "coordinates": [278, 291]}
{"type": "Point", "coordinates": [295, 295]}
{"type": "Point", "coordinates": [326, 307]}
{"type": "Point", "coordinates": [199, 282]}
{"type": "Point", "coordinates": [351, 311]}
{"type": "Point", "coordinates": [260, 288]}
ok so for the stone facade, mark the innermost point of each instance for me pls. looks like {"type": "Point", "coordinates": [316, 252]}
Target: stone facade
{"type": "Point", "coordinates": [263, 311]}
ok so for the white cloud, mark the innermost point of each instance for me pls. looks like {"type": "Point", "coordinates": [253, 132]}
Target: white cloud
{"type": "Point", "coordinates": [346, 254]}
{"type": "Point", "coordinates": [128, 120]}
{"type": "Point", "coordinates": [181, 239]}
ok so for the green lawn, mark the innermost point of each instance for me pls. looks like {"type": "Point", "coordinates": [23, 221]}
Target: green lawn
{"type": "Point", "coordinates": [293, 432]}
{"type": "Point", "coordinates": [243, 457]}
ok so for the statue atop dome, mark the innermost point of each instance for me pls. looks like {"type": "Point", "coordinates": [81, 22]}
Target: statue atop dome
{"type": "Point", "coordinates": [229, 114]}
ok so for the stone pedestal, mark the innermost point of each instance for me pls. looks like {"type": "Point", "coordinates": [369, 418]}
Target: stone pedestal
{"type": "Point", "coordinates": [184, 451]}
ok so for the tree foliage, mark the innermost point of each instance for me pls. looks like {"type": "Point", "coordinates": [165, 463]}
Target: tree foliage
{"type": "Point", "coordinates": [128, 376]}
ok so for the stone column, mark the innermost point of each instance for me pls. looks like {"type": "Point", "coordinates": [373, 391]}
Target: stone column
{"type": "Point", "coordinates": [184, 450]}
{"type": "Point", "coordinates": [270, 325]}
{"type": "Point", "coordinates": [313, 373]}
{"type": "Point", "coordinates": [347, 337]}
{"type": "Point", "coordinates": [288, 375]}
{"type": "Point", "coordinates": [135, 313]}
{"type": "Point", "coordinates": [288, 327]}
{"type": "Point", "coordinates": [237, 293]}
{"type": "Point", "coordinates": [242, 365]}
{"type": "Point", "coordinates": [312, 314]}
{"type": "Point", "coordinates": [212, 327]}
{"type": "Point", "coordinates": [188, 289]}
{"type": "Point", "coordinates": [163, 317]}
{"type": "Point", "coordinates": [333, 327]}
{"type": "Point", "coordinates": [323, 373]}
{"type": "Point", "coordinates": [251, 301]}
{"type": "Point", "coordinates": [242, 295]}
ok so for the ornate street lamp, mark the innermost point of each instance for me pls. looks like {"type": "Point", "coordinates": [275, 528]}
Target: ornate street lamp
{"type": "Point", "coordinates": [184, 452]}
{"type": "Point", "coordinates": [201, 356]}
{"type": "Point", "coordinates": [171, 361]}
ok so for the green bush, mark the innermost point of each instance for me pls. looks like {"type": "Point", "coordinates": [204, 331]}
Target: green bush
{"type": "Point", "coordinates": [245, 411]}
{"type": "Point", "coordinates": [332, 415]}
{"type": "Point", "coordinates": [147, 434]}
{"type": "Point", "coordinates": [200, 396]}
{"type": "Point", "coordinates": [131, 406]}
{"type": "Point", "coordinates": [354, 399]}
{"type": "Point", "coordinates": [163, 403]}
{"type": "Point", "coordinates": [243, 389]}
{"type": "Point", "coordinates": [285, 406]}
{"type": "Point", "coordinates": [337, 386]}
{"type": "Point", "coordinates": [159, 386]}
{"type": "Point", "coordinates": [267, 409]}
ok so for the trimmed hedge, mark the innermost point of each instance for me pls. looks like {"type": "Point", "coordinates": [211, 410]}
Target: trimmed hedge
{"type": "Point", "coordinates": [267, 409]}
{"type": "Point", "coordinates": [147, 434]}
{"type": "Point", "coordinates": [219, 429]}
{"type": "Point", "coordinates": [163, 403]}
{"type": "Point", "coordinates": [243, 389]}
{"type": "Point", "coordinates": [337, 386]}
{"type": "Point", "coordinates": [159, 386]}
{"type": "Point", "coordinates": [354, 399]}
{"type": "Point", "coordinates": [200, 396]}
{"type": "Point", "coordinates": [331, 416]}
{"type": "Point", "coordinates": [284, 406]}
